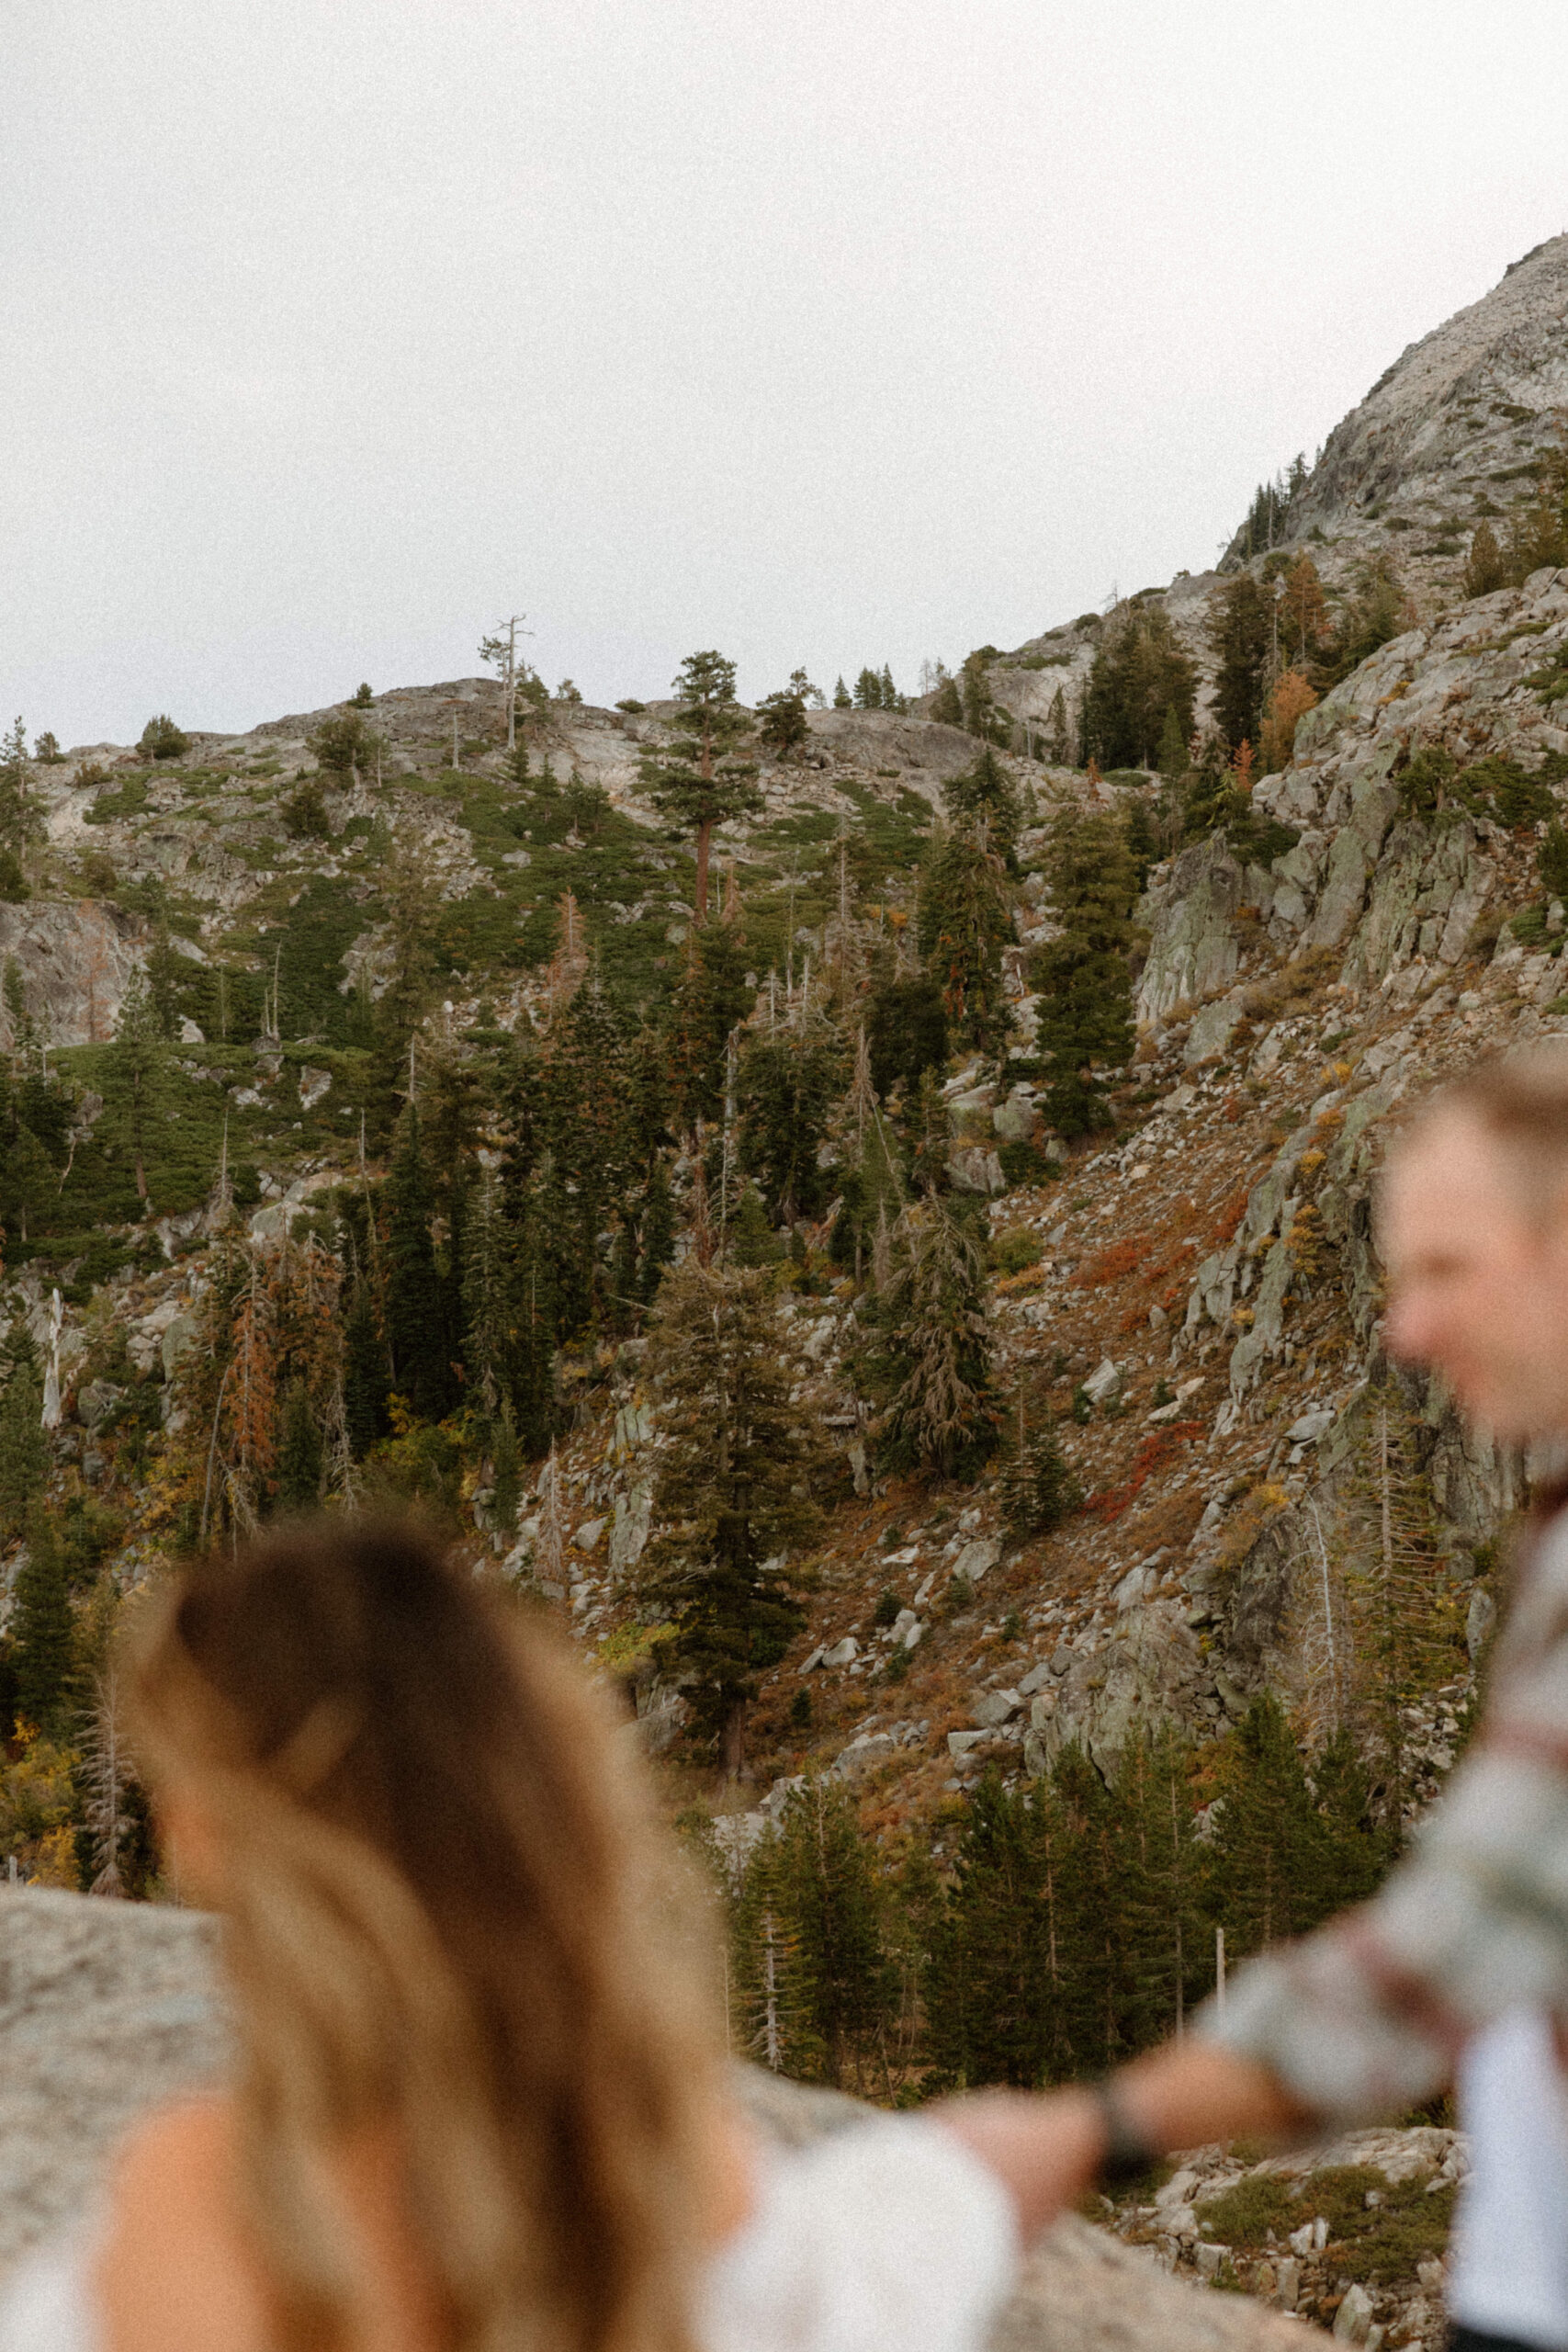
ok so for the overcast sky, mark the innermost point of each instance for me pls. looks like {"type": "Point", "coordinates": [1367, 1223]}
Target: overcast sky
{"type": "Point", "coordinates": [821, 331]}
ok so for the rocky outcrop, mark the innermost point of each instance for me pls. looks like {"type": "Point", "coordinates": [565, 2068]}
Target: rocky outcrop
{"type": "Point", "coordinates": [1191, 910]}
{"type": "Point", "coordinates": [75, 958]}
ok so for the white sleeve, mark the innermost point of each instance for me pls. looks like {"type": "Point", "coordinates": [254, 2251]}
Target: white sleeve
{"type": "Point", "coordinates": [888, 2235]}
{"type": "Point", "coordinates": [45, 2303]}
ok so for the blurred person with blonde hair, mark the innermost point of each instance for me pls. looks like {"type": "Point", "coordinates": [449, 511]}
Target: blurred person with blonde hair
{"type": "Point", "coordinates": [476, 2104]}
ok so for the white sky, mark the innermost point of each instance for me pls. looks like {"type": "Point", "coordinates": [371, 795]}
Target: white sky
{"type": "Point", "coordinates": [822, 331]}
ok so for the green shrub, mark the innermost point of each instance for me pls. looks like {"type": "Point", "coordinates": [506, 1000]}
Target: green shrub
{"type": "Point", "coordinates": [1529, 924]}
{"type": "Point", "coordinates": [887, 1607]}
{"type": "Point", "coordinates": [1009, 1252]}
{"type": "Point", "coordinates": [161, 739]}
{"type": "Point", "coordinates": [13, 881]}
{"type": "Point", "coordinates": [1244, 2214]}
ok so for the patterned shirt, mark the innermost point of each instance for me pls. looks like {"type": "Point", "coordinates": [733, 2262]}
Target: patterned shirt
{"type": "Point", "coordinates": [1368, 2016]}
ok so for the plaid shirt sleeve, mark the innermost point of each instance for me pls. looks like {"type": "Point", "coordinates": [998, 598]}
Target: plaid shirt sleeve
{"type": "Point", "coordinates": [1367, 2016]}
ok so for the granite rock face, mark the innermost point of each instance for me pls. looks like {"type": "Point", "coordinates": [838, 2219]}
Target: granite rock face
{"type": "Point", "coordinates": [75, 957]}
{"type": "Point", "coordinates": [106, 2009]}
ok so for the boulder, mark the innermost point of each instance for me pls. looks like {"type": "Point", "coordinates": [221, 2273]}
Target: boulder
{"type": "Point", "coordinates": [997, 1708]}
{"type": "Point", "coordinates": [843, 1652]}
{"type": "Point", "coordinates": [978, 1557]}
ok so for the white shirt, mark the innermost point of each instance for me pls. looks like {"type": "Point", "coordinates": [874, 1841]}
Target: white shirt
{"type": "Point", "coordinates": [888, 2235]}
{"type": "Point", "coordinates": [1509, 2270]}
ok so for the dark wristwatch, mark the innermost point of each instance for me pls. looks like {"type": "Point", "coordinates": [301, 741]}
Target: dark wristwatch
{"type": "Point", "coordinates": [1128, 2155]}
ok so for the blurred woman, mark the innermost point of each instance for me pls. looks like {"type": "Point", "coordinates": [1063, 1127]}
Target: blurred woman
{"type": "Point", "coordinates": [474, 2104]}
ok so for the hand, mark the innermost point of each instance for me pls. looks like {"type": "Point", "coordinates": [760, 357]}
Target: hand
{"type": "Point", "coordinates": [1044, 2150]}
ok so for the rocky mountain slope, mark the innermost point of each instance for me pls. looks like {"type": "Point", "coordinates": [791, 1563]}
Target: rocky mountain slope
{"type": "Point", "coordinates": [1192, 1300]}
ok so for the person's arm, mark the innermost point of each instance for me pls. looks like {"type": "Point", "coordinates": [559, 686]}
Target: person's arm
{"type": "Point", "coordinates": [1048, 2151]}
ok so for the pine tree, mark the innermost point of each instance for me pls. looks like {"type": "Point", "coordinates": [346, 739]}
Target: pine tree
{"type": "Point", "coordinates": [752, 1242]}
{"type": "Point", "coordinates": [138, 1061]}
{"type": "Point", "coordinates": [729, 1490]}
{"type": "Point", "coordinates": [829, 1903]}
{"type": "Point", "coordinates": [1486, 567]}
{"type": "Point", "coordinates": [782, 723]}
{"type": "Point", "coordinates": [710, 1002]}
{"type": "Point", "coordinates": [1173, 759]}
{"type": "Point", "coordinates": [1404, 1614]}
{"type": "Point", "coordinates": [42, 1626]}
{"type": "Point", "coordinates": [1083, 978]}
{"type": "Point", "coordinates": [931, 1360]}
{"type": "Point", "coordinates": [1239, 633]}
{"type": "Point", "coordinates": [788, 1081]}
{"type": "Point", "coordinates": [769, 1987]}
{"type": "Point", "coordinates": [1139, 672]}
{"type": "Point", "coordinates": [1162, 1879]}
{"type": "Point", "coordinates": [486, 1304]}
{"type": "Point", "coordinates": [1037, 1489]}
{"type": "Point", "coordinates": [947, 704]}
{"type": "Point", "coordinates": [1304, 614]}
{"type": "Point", "coordinates": [29, 1188]}
{"type": "Point", "coordinates": [301, 1457]}
{"type": "Point", "coordinates": [364, 1382]}
{"type": "Point", "coordinates": [868, 690]}
{"type": "Point", "coordinates": [414, 1319]}
{"type": "Point", "coordinates": [985, 794]}
{"type": "Point", "coordinates": [1271, 1860]}
{"type": "Point", "coordinates": [906, 1029]}
{"type": "Point", "coordinates": [842, 698]}
{"type": "Point", "coordinates": [1551, 858]}
{"type": "Point", "coordinates": [1061, 735]}
{"type": "Point", "coordinates": [988, 1994]}
{"type": "Point", "coordinates": [963, 925]}
{"type": "Point", "coordinates": [109, 1787]}
{"type": "Point", "coordinates": [23, 1449]}
{"type": "Point", "coordinates": [14, 797]}
{"type": "Point", "coordinates": [700, 787]}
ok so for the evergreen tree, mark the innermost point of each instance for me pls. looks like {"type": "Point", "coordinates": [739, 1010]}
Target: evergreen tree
{"type": "Point", "coordinates": [1162, 1879]}
{"type": "Point", "coordinates": [301, 1456]}
{"type": "Point", "coordinates": [1551, 858]}
{"type": "Point", "coordinates": [1273, 1861]}
{"type": "Point", "coordinates": [988, 1994]}
{"type": "Point", "coordinates": [986, 793]}
{"type": "Point", "coordinates": [1486, 567]}
{"type": "Point", "coordinates": [782, 723]}
{"type": "Point", "coordinates": [1240, 634]}
{"type": "Point", "coordinates": [23, 1449]}
{"type": "Point", "coordinates": [487, 1315]}
{"type": "Point", "coordinates": [729, 1494]}
{"type": "Point", "coordinates": [710, 1002]}
{"type": "Point", "coordinates": [139, 1062]}
{"type": "Point", "coordinates": [43, 1625]}
{"type": "Point", "coordinates": [364, 1383]}
{"type": "Point", "coordinates": [414, 1319]}
{"type": "Point", "coordinates": [947, 704]}
{"type": "Point", "coordinates": [656, 1231]}
{"type": "Point", "coordinates": [1304, 614]}
{"type": "Point", "coordinates": [906, 1028]}
{"type": "Point", "coordinates": [1139, 674]}
{"type": "Point", "coordinates": [787, 1082]}
{"type": "Point", "coordinates": [1376, 610]}
{"type": "Point", "coordinates": [891, 697]}
{"type": "Point", "coordinates": [27, 1186]}
{"type": "Point", "coordinates": [769, 1987]}
{"type": "Point", "coordinates": [831, 1905]}
{"type": "Point", "coordinates": [1405, 1619]}
{"type": "Point", "coordinates": [753, 1242]}
{"type": "Point", "coordinates": [963, 925]}
{"type": "Point", "coordinates": [1037, 1489]}
{"type": "Point", "coordinates": [868, 690]}
{"type": "Point", "coordinates": [14, 793]}
{"type": "Point", "coordinates": [933, 1362]}
{"type": "Point", "coordinates": [1172, 759]}
{"type": "Point", "coordinates": [1060, 734]}
{"type": "Point", "coordinates": [703, 784]}
{"type": "Point", "coordinates": [842, 698]}
{"type": "Point", "coordinates": [1083, 978]}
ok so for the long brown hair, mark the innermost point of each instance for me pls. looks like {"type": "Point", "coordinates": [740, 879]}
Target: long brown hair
{"type": "Point", "coordinates": [440, 1918]}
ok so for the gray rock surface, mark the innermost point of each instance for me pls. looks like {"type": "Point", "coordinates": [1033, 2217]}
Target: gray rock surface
{"type": "Point", "coordinates": [104, 2009]}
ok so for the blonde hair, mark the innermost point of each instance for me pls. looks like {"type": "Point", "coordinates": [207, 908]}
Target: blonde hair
{"type": "Point", "coordinates": [441, 1918]}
